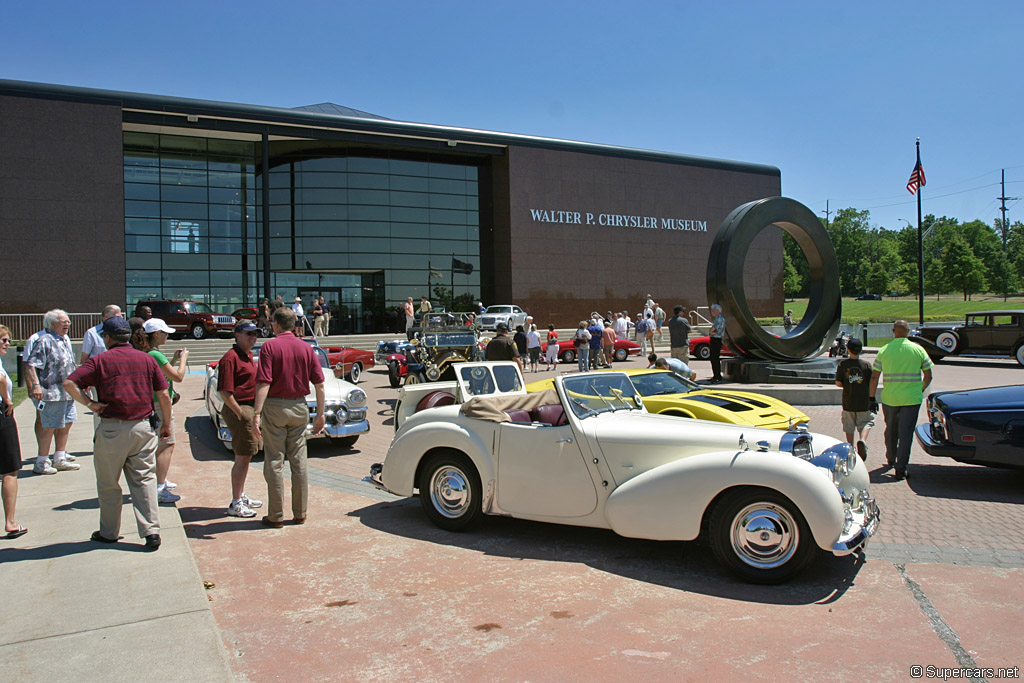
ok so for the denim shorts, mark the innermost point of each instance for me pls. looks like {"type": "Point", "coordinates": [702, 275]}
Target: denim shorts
{"type": "Point", "coordinates": [57, 414]}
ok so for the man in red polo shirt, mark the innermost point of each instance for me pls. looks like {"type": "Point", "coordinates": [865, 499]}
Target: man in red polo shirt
{"type": "Point", "coordinates": [287, 367]}
{"type": "Point", "coordinates": [236, 384]}
{"type": "Point", "coordinates": [125, 380]}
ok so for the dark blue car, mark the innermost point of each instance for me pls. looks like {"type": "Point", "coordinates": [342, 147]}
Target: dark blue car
{"type": "Point", "coordinates": [979, 426]}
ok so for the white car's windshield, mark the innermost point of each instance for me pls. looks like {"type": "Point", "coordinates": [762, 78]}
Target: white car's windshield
{"type": "Point", "coordinates": [498, 309]}
{"type": "Point", "coordinates": [591, 394]}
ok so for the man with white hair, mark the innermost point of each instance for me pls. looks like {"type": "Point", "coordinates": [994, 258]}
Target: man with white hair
{"type": "Point", "coordinates": [92, 341]}
{"type": "Point", "coordinates": [49, 364]}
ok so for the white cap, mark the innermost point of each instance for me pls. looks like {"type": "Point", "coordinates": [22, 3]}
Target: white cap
{"type": "Point", "coordinates": [156, 325]}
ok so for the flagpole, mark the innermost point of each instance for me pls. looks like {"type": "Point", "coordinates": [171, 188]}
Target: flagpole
{"type": "Point", "coordinates": [920, 242]}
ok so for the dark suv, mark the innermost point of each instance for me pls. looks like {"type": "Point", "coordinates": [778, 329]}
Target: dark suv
{"type": "Point", "coordinates": [191, 317]}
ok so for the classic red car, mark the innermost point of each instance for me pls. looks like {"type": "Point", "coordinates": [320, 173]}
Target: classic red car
{"type": "Point", "coordinates": [700, 348]}
{"type": "Point", "coordinates": [348, 362]}
{"type": "Point", "coordinates": [567, 351]}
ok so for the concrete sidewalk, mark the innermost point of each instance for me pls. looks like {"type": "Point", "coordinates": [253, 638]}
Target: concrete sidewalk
{"type": "Point", "coordinates": [77, 610]}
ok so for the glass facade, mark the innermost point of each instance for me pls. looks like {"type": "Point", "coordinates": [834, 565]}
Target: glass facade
{"type": "Point", "coordinates": [365, 232]}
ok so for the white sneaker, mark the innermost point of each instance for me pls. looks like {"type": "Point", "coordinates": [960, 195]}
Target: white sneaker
{"type": "Point", "coordinates": [44, 468]}
{"type": "Point", "coordinates": [170, 485]}
{"type": "Point", "coordinates": [71, 458]}
{"type": "Point", "coordinates": [240, 509]}
{"type": "Point", "coordinates": [65, 466]}
{"type": "Point", "coordinates": [165, 496]}
{"type": "Point", "coordinates": [250, 503]}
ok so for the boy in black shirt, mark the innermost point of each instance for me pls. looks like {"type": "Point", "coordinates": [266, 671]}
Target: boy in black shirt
{"type": "Point", "coordinates": [854, 376]}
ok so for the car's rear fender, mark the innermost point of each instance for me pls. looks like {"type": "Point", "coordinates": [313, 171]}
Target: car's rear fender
{"type": "Point", "coordinates": [669, 502]}
{"type": "Point", "coordinates": [412, 445]}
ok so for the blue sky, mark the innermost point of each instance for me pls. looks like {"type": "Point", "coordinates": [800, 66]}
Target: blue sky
{"type": "Point", "coordinates": [834, 94]}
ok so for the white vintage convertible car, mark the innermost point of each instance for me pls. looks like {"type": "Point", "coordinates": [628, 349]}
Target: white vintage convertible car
{"type": "Point", "coordinates": [344, 405]}
{"type": "Point", "coordinates": [587, 453]}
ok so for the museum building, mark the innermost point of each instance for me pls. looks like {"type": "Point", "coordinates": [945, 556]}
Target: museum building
{"type": "Point", "coordinates": [113, 197]}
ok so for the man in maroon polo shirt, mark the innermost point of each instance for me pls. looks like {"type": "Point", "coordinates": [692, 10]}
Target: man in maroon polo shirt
{"type": "Point", "coordinates": [125, 380]}
{"type": "Point", "coordinates": [287, 367]}
{"type": "Point", "coordinates": [236, 384]}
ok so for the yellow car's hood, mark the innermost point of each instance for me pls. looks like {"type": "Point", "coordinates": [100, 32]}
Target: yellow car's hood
{"type": "Point", "coordinates": [743, 407]}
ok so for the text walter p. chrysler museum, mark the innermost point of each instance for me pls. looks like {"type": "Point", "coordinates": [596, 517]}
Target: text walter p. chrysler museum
{"type": "Point", "coordinates": [616, 220]}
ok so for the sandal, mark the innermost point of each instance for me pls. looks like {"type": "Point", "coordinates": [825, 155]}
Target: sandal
{"type": "Point", "coordinates": [20, 531]}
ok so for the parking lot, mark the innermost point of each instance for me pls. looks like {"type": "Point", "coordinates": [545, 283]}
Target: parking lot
{"type": "Point", "coordinates": [368, 589]}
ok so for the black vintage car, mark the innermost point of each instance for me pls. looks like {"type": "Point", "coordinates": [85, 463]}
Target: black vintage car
{"type": "Point", "coordinates": [992, 334]}
{"type": "Point", "coordinates": [979, 426]}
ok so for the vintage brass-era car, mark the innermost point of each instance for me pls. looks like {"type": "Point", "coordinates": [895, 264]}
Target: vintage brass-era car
{"type": "Point", "coordinates": [587, 453]}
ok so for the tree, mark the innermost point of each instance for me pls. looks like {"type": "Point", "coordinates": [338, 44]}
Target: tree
{"type": "Point", "coordinates": [1003, 276]}
{"type": "Point", "coordinates": [849, 234]}
{"type": "Point", "coordinates": [962, 268]}
{"type": "Point", "coordinates": [792, 283]}
{"type": "Point", "coordinates": [793, 259]}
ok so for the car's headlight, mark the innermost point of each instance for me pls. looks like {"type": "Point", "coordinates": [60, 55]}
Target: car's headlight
{"type": "Point", "coordinates": [356, 398]}
{"type": "Point", "coordinates": [838, 460]}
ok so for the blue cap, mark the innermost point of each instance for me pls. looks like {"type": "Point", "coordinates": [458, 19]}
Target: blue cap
{"type": "Point", "coordinates": [245, 326]}
{"type": "Point", "coordinates": [116, 325]}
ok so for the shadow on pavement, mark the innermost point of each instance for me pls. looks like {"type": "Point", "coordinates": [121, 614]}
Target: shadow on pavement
{"type": "Point", "coordinates": [203, 441]}
{"type": "Point", "coordinates": [48, 552]}
{"type": "Point", "coordinates": [957, 481]}
{"type": "Point", "coordinates": [387, 411]}
{"type": "Point", "coordinates": [687, 566]}
{"type": "Point", "coordinates": [90, 503]}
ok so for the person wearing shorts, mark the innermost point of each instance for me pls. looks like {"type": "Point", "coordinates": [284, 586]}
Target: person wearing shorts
{"type": "Point", "coordinates": [49, 363]}
{"type": "Point", "coordinates": [853, 374]}
{"type": "Point", "coordinates": [551, 357]}
{"type": "Point", "coordinates": [236, 384]}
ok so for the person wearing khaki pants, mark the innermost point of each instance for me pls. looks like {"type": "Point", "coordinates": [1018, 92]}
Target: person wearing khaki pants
{"type": "Point", "coordinates": [287, 367]}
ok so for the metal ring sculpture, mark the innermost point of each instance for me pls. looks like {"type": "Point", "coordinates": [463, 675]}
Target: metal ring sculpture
{"type": "Point", "coordinates": [725, 280]}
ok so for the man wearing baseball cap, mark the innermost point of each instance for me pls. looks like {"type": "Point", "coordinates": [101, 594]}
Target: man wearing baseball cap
{"type": "Point", "coordinates": [125, 380]}
{"type": "Point", "coordinates": [236, 384]}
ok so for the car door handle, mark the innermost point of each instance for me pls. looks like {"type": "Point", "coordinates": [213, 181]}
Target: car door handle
{"type": "Point", "coordinates": [569, 440]}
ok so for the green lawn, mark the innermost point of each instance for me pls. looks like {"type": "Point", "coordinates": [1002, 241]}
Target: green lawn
{"type": "Point", "coordinates": [887, 310]}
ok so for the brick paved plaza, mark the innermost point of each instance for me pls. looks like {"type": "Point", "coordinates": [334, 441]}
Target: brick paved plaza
{"type": "Point", "coordinates": [370, 590]}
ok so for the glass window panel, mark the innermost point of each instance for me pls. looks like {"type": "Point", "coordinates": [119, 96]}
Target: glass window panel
{"type": "Point", "coordinates": [420, 199]}
{"type": "Point", "coordinates": [332, 195]}
{"type": "Point", "coordinates": [225, 245]}
{"type": "Point", "coordinates": [141, 174]}
{"type": "Point", "coordinates": [403, 230]}
{"type": "Point", "coordinates": [142, 209]}
{"type": "Point", "coordinates": [448, 232]}
{"type": "Point", "coordinates": [182, 143]}
{"type": "Point", "coordinates": [135, 294]}
{"type": "Point", "coordinates": [147, 261]}
{"type": "Point", "coordinates": [227, 179]}
{"type": "Point", "coordinates": [232, 147]}
{"type": "Point", "coordinates": [367, 165]}
{"type": "Point", "coordinates": [311, 179]}
{"type": "Point", "coordinates": [142, 226]}
{"type": "Point", "coordinates": [368, 229]}
{"type": "Point", "coordinates": [238, 165]}
{"type": "Point", "coordinates": [280, 180]}
{"type": "Point", "coordinates": [141, 191]}
{"type": "Point", "coordinates": [404, 167]}
{"type": "Point", "coordinates": [227, 299]}
{"type": "Point", "coordinates": [446, 216]}
{"type": "Point", "coordinates": [406, 261]}
{"type": "Point", "coordinates": [182, 176]}
{"type": "Point", "coordinates": [377, 197]}
{"type": "Point", "coordinates": [318, 261]}
{"type": "Point", "coordinates": [368, 244]}
{"type": "Point", "coordinates": [448, 186]}
{"type": "Point", "coordinates": [471, 173]}
{"type": "Point", "coordinates": [280, 213]}
{"type": "Point", "coordinates": [335, 164]}
{"type": "Point", "coordinates": [141, 158]}
{"type": "Point", "coordinates": [280, 245]}
{"type": "Point", "coordinates": [332, 229]}
{"type": "Point", "coordinates": [142, 243]}
{"type": "Point", "coordinates": [446, 247]}
{"type": "Point", "coordinates": [279, 229]}
{"type": "Point", "coordinates": [226, 212]}
{"type": "Point", "coordinates": [454, 171]}
{"type": "Point", "coordinates": [183, 193]}
{"type": "Point", "coordinates": [323, 212]}
{"type": "Point", "coordinates": [448, 201]}
{"type": "Point", "coordinates": [173, 160]}
{"type": "Point", "coordinates": [405, 214]}
{"type": "Point", "coordinates": [142, 278]}
{"type": "Point", "coordinates": [370, 261]}
{"type": "Point", "coordinates": [141, 141]}
{"type": "Point", "coordinates": [410, 246]}
{"type": "Point", "coordinates": [472, 203]}
{"type": "Point", "coordinates": [225, 229]}
{"type": "Point", "coordinates": [280, 261]}
{"type": "Point", "coordinates": [282, 196]}
{"type": "Point", "coordinates": [184, 211]}
{"type": "Point", "coordinates": [409, 184]}
{"type": "Point", "coordinates": [187, 261]}
{"type": "Point", "coordinates": [368, 181]}
{"type": "Point", "coordinates": [226, 278]}
{"type": "Point", "coordinates": [223, 195]}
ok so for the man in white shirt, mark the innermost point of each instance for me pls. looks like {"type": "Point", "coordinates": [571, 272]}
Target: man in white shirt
{"type": "Point", "coordinates": [300, 315]}
{"type": "Point", "coordinates": [92, 341]}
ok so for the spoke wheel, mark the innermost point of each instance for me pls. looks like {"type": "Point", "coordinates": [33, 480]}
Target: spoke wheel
{"type": "Point", "coordinates": [355, 373]}
{"type": "Point", "coordinates": [568, 356]}
{"type": "Point", "coordinates": [761, 536]}
{"type": "Point", "coordinates": [415, 377]}
{"type": "Point", "coordinates": [621, 355]}
{"type": "Point", "coordinates": [450, 491]}
{"type": "Point", "coordinates": [198, 332]}
{"type": "Point", "coordinates": [1019, 354]}
{"type": "Point", "coordinates": [947, 341]}
{"type": "Point", "coordinates": [703, 352]}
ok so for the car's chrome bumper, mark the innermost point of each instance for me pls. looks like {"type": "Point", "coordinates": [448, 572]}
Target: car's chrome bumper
{"type": "Point", "coordinates": [376, 476]}
{"type": "Point", "coordinates": [344, 429]}
{"type": "Point", "coordinates": [863, 527]}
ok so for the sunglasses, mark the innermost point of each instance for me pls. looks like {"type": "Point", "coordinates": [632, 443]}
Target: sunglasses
{"type": "Point", "coordinates": [5, 340]}
{"type": "Point", "coordinates": [251, 333]}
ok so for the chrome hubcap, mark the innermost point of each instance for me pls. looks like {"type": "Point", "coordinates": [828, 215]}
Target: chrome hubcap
{"type": "Point", "coordinates": [764, 535]}
{"type": "Point", "coordinates": [449, 491]}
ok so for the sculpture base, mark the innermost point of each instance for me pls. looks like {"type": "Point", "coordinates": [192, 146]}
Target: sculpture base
{"type": "Point", "coordinates": [813, 371]}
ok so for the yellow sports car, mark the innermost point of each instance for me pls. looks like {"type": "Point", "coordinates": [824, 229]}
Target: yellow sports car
{"type": "Point", "coordinates": [667, 393]}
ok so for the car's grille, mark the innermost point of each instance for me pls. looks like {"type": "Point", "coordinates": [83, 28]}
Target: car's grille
{"type": "Point", "coordinates": [222, 319]}
{"type": "Point", "coordinates": [487, 320]}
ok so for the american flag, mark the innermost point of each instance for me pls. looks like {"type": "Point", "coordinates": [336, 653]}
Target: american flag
{"type": "Point", "coordinates": [916, 179]}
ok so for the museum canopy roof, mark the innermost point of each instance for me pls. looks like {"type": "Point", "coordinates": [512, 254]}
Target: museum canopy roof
{"type": "Point", "coordinates": [161, 110]}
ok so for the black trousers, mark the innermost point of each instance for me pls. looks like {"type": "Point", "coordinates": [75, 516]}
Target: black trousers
{"type": "Point", "coordinates": [716, 357]}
